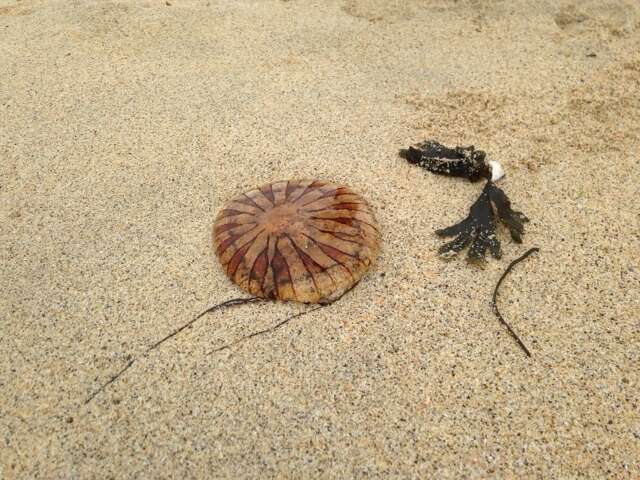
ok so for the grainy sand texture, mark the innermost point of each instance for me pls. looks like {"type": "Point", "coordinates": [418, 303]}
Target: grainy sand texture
{"type": "Point", "coordinates": [126, 125]}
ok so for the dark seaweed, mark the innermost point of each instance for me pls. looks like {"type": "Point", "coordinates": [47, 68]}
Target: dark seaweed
{"type": "Point", "coordinates": [466, 162]}
{"type": "Point", "coordinates": [494, 300]}
{"type": "Point", "coordinates": [479, 228]}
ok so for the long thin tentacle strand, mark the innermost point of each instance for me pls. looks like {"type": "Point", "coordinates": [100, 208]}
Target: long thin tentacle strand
{"type": "Point", "coordinates": [228, 303]}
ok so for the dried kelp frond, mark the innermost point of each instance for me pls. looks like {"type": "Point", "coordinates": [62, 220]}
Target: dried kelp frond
{"type": "Point", "coordinates": [512, 219]}
{"type": "Point", "coordinates": [466, 162]}
{"type": "Point", "coordinates": [479, 228]}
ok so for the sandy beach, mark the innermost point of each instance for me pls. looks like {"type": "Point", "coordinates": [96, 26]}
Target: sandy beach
{"type": "Point", "coordinates": [126, 125]}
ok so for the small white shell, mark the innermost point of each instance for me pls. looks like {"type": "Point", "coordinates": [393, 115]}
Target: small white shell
{"type": "Point", "coordinates": [497, 172]}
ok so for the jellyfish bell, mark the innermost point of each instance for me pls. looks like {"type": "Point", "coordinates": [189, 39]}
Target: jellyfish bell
{"type": "Point", "coordinates": [303, 240]}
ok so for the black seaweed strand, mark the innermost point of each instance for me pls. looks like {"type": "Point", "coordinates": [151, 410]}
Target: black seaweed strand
{"type": "Point", "coordinates": [495, 298]}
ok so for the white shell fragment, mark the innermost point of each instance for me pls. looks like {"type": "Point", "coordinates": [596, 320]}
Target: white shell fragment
{"type": "Point", "coordinates": [497, 172]}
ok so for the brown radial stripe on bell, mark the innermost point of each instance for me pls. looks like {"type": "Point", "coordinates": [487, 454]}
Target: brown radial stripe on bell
{"type": "Point", "coordinates": [303, 240]}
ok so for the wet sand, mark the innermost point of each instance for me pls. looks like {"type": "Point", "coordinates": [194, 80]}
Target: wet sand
{"type": "Point", "coordinates": [126, 126]}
